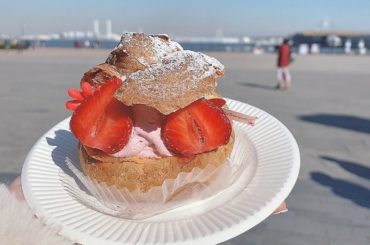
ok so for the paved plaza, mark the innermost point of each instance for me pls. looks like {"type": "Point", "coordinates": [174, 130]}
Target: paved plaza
{"type": "Point", "coordinates": [327, 110]}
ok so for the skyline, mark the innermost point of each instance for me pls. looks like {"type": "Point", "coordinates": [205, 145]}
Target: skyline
{"type": "Point", "coordinates": [184, 18]}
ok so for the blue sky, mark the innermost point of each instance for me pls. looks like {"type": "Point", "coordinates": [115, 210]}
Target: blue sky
{"type": "Point", "coordinates": [184, 18]}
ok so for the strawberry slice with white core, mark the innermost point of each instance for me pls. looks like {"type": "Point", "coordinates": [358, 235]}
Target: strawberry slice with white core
{"type": "Point", "coordinates": [200, 127]}
{"type": "Point", "coordinates": [101, 121]}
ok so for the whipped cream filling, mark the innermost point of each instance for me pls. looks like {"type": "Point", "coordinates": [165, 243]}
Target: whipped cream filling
{"type": "Point", "coordinates": [145, 140]}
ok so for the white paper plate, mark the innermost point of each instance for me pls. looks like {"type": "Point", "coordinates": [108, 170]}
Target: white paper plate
{"type": "Point", "coordinates": [273, 171]}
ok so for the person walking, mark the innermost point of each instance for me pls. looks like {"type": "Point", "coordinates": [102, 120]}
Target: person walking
{"type": "Point", "coordinates": [284, 59]}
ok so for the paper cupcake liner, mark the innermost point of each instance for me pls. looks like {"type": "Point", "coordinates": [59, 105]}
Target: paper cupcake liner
{"type": "Point", "coordinates": [197, 185]}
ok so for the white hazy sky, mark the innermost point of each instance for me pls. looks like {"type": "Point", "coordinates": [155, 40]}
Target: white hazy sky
{"type": "Point", "coordinates": [183, 18]}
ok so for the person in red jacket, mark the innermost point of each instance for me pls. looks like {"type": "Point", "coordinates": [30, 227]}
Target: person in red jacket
{"type": "Point", "coordinates": [284, 59]}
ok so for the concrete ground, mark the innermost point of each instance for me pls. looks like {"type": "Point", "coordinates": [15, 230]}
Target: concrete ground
{"type": "Point", "coordinates": [327, 110]}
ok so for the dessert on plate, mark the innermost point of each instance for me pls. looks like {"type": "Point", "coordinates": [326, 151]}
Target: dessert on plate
{"type": "Point", "coordinates": [149, 113]}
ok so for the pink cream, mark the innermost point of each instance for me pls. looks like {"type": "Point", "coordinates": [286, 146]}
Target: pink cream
{"type": "Point", "coordinates": [145, 140]}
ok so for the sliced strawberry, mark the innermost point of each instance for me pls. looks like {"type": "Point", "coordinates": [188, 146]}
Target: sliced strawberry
{"type": "Point", "coordinates": [101, 121]}
{"type": "Point", "coordinates": [87, 89]}
{"type": "Point", "coordinates": [218, 101]}
{"type": "Point", "coordinates": [78, 96]}
{"type": "Point", "coordinates": [199, 127]}
{"type": "Point", "coordinates": [75, 94]}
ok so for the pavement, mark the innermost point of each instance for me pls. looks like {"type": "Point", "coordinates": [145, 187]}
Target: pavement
{"type": "Point", "coordinates": [327, 110]}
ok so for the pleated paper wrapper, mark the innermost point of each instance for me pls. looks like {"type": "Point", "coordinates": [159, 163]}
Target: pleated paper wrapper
{"type": "Point", "coordinates": [197, 185]}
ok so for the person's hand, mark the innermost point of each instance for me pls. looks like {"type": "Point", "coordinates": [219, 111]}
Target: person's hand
{"type": "Point", "coordinates": [16, 188]}
{"type": "Point", "coordinates": [281, 209]}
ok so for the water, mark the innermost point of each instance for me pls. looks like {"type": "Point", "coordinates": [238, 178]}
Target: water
{"type": "Point", "coordinates": [104, 44]}
{"type": "Point", "coordinates": [195, 46]}
{"type": "Point", "coordinates": [110, 44]}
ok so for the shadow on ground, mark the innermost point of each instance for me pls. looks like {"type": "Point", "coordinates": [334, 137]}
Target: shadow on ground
{"type": "Point", "coordinates": [257, 85]}
{"type": "Point", "coordinates": [352, 167]}
{"type": "Point", "coordinates": [354, 123]}
{"type": "Point", "coordinates": [342, 187]}
{"type": "Point", "coordinates": [6, 178]}
{"type": "Point", "coordinates": [345, 189]}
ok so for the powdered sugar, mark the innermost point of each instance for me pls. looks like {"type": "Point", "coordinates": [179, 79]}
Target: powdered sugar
{"type": "Point", "coordinates": [161, 74]}
{"type": "Point", "coordinates": [125, 38]}
{"type": "Point", "coordinates": [157, 46]}
{"type": "Point", "coordinates": [186, 68]}
{"type": "Point", "coordinates": [163, 47]}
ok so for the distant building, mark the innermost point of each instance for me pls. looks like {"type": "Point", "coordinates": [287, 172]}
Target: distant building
{"type": "Point", "coordinates": [348, 46]}
{"type": "Point", "coordinates": [330, 38]}
{"type": "Point", "coordinates": [96, 28]}
{"type": "Point", "coordinates": [109, 28]}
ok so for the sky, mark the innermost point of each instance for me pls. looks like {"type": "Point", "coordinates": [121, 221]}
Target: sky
{"type": "Point", "coordinates": [184, 17]}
